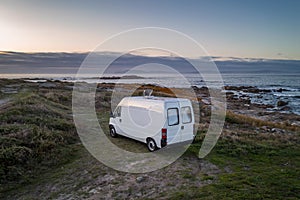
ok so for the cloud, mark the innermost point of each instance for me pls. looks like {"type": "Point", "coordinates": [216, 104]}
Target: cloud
{"type": "Point", "coordinates": [68, 63]}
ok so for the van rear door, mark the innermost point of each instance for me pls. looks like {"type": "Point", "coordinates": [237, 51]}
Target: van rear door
{"type": "Point", "coordinates": [187, 121]}
{"type": "Point", "coordinates": [173, 123]}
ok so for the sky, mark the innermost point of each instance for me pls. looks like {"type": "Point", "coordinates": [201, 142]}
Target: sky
{"type": "Point", "coordinates": [246, 29]}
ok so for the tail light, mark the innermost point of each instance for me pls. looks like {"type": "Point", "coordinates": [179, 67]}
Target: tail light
{"type": "Point", "coordinates": [163, 137]}
{"type": "Point", "coordinates": [163, 133]}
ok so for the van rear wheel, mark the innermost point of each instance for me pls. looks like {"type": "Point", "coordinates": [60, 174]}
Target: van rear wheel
{"type": "Point", "coordinates": [151, 145]}
{"type": "Point", "coordinates": [112, 131]}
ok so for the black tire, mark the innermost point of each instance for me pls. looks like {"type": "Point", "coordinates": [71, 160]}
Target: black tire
{"type": "Point", "coordinates": [151, 145]}
{"type": "Point", "coordinates": [112, 132]}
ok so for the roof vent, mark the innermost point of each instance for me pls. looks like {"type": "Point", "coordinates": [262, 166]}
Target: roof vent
{"type": "Point", "coordinates": [147, 93]}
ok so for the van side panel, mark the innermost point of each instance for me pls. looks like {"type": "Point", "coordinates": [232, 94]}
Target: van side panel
{"type": "Point", "coordinates": [140, 121]}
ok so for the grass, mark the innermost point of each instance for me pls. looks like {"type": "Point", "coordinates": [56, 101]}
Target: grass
{"type": "Point", "coordinates": [35, 134]}
{"type": "Point", "coordinates": [256, 176]}
{"type": "Point", "coordinates": [262, 167]}
{"type": "Point", "coordinates": [243, 119]}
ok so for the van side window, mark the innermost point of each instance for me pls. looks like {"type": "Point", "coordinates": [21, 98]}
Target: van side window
{"type": "Point", "coordinates": [186, 114]}
{"type": "Point", "coordinates": [173, 117]}
{"type": "Point", "coordinates": [117, 112]}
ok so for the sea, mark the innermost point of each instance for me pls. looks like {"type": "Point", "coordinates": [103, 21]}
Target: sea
{"type": "Point", "coordinates": [284, 87]}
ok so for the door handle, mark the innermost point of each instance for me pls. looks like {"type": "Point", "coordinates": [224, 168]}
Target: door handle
{"type": "Point", "coordinates": [182, 127]}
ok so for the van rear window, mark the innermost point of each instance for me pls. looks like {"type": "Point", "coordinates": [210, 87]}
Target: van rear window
{"type": "Point", "coordinates": [173, 117]}
{"type": "Point", "coordinates": [186, 114]}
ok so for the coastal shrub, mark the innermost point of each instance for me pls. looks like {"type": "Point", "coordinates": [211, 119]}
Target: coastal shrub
{"type": "Point", "coordinates": [58, 96]}
{"type": "Point", "coordinates": [243, 119]}
{"type": "Point", "coordinates": [35, 134]}
{"type": "Point", "coordinates": [157, 91]}
{"type": "Point", "coordinates": [9, 128]}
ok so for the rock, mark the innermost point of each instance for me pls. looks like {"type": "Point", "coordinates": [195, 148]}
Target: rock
{"type": "Point", "coordinates": [265, 90]}
{"type": "Point", "coordinates": [248, 89]}
{"type": "Point", "coordinates": [277, 130]}
{"type": "Point", "coordinates": [47, 85]}
{"type": "Point", "coordinates": [252, 90]}
{"type": "Point", "coordinates": [93, 191]}
{"type": "Point", "coordinates": [281, 103]}
{"type": "Point", "coordinates": [282, 90]}
{"type": "Point", "coordinates": [205, 101]}
{"type": "Point", "coordinates": [286, 108]}
{"type": "Point", "coordinates": [239, 88]}
{"type": "Point", "coordinates": [247, 106]}
{"type": "Point", "coordinates": [295, 124]}
{"type": "Point", "coordinates": [265, 128]}
{"type": "Point", "coordinates": [229, 93]}
{"type": "Point", "coordinates": [263, 105]}
{"type": "Point", "coordinates": [194, 87]}
{"type": "Point", "coordinates": [8, 90]}
{"type": "Point", "coordinates": [139, 194]}
{"type": "Point", "coordinates": [69, 87]}
{"type": "Point", "coordinates": [228, 170]}
{"type": "Point", "coordinates": [273, 130]}
{"type": "Point", "coordinates": [140, 179]}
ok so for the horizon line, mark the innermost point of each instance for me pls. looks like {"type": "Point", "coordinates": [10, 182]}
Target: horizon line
{"type": "Point", "coordinates": [151, 56]}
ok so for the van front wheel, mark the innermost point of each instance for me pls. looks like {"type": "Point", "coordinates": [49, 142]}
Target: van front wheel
{"type": "Point", "coordinates": [151, 145]}
{"type": "Point", "coordinates": [112, 131]}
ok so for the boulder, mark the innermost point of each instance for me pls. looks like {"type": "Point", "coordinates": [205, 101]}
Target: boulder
{"type": "Point", "coordinates": [251, 90]}
{"type": "Point", "coordinates": [140, 179]}
{"type": "Point", "coordinates": [47, 85]}
{"type": "Point", "coordinates": [286, 108]}
{"type": "Point", "coordinates": [281, 103]}
{"type": "Point", "coordinates": [281, 90]}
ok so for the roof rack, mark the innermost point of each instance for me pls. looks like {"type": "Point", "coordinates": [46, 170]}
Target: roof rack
{"type": "Point", "coordinates": [147, 93]}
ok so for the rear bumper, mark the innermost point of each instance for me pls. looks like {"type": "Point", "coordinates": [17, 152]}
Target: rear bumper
{"type": "Point", "coordinates": [163, 143]}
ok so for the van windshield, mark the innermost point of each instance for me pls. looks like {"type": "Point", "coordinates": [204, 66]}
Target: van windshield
{"type": "Point", "coordinates": [173, 117]}
{"type": "Point", "coordinates": [117, 112]}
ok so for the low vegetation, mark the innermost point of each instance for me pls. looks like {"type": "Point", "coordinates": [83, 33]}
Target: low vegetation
{"type": "Point", "coordinates": [37, 135]}
{"type": "Point", "coordinates": [232, 117]}
{"type": "Point", "coordinates": [255, 165]}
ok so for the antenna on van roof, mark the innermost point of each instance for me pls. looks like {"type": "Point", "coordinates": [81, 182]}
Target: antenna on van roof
{"type": "Point", "coordinates": [147, 92]}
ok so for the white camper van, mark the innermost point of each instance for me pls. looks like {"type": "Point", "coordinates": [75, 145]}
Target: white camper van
{"type": "Point", "coordinates": [156, 121]}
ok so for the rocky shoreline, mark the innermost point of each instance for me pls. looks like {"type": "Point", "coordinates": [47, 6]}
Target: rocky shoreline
{"type": "Point", "coordinates": [240, 99]}
{"type": "Point", "coordinates": [261, 98]}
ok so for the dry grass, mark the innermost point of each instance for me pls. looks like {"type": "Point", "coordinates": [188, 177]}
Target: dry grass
{"type": "Point", "coordinates": [232, 117]}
